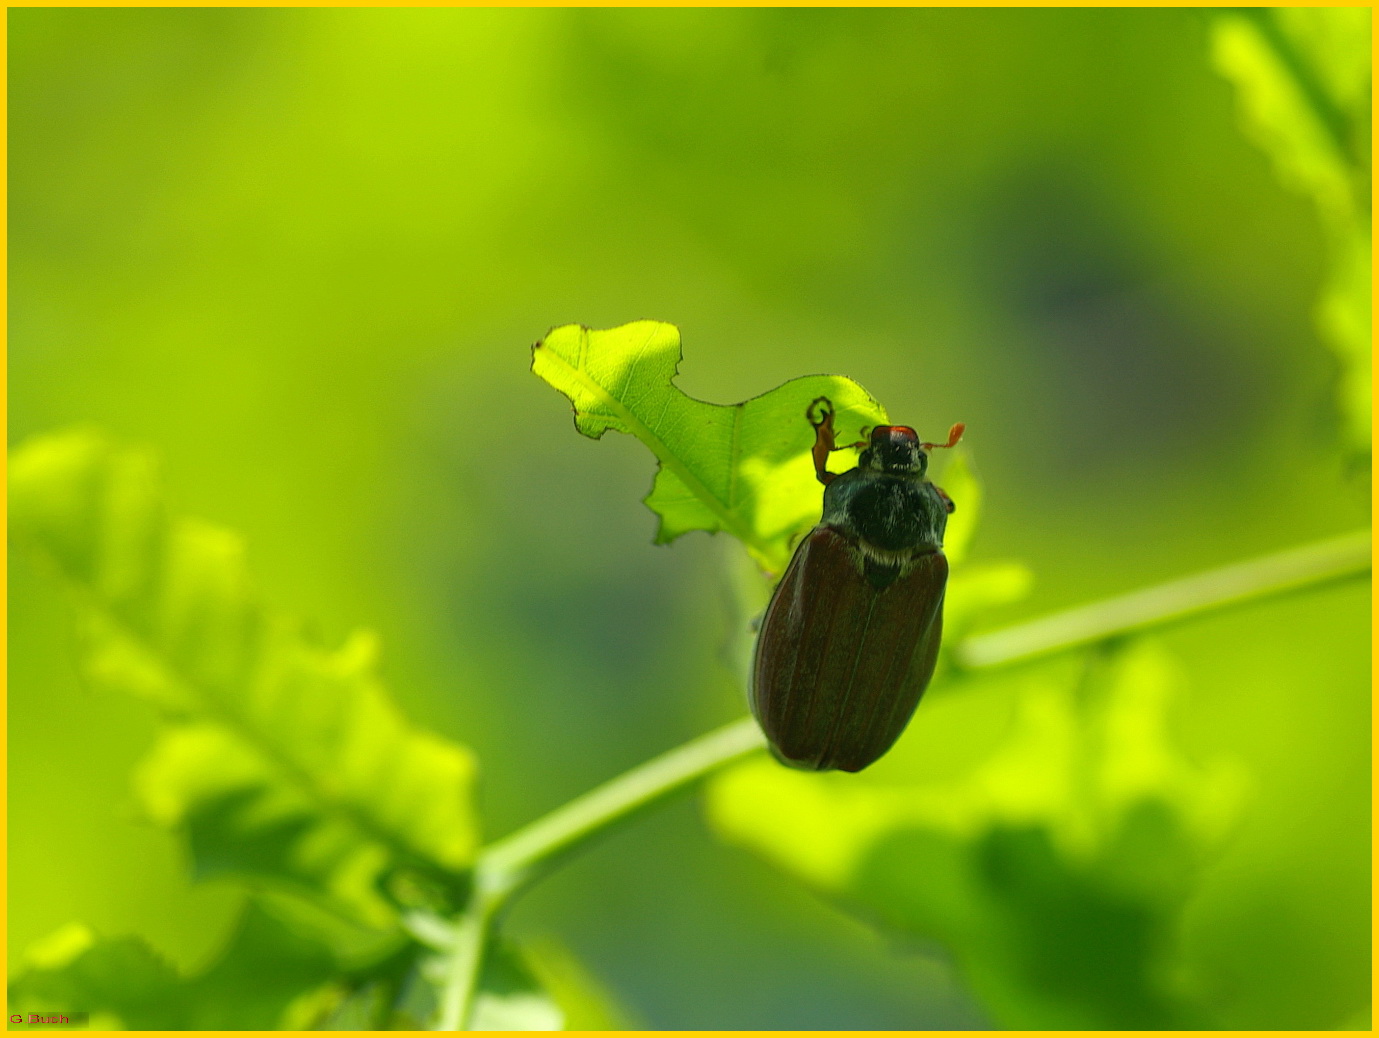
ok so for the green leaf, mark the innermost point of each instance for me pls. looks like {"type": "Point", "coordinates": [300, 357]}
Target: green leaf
{"type": "Point", "coordinates": [586, 1004]}
{"type": "Point", "coordinates": [740, 468]}
{"type": "Point", "coordinates": [1056, 873]}
{"type": "Point", "coordinates": [540, 986]}
{"type": "Point", "coordinates": [283, 761]}
{"type": "Point", "coordinates": [363, 1009]}
{"type": "Point", "coordinates": [531, 986]}
{"type": "Point", "coordinates": [123, 982]}
{"type": "Point", "coordinates": [1289, 90]}
{"type": "Point", "coordinates": [74, 972]}
{"type": "Point", "coordinates": [1344, 315]}
{"type": "Point", "coordinates": [509, 997]}
{"type": "Point", "coordinates": [1303, 79]}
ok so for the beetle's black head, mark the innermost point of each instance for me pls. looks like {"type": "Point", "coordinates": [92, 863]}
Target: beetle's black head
{"type": "Point", "coordinates": [894, 449]}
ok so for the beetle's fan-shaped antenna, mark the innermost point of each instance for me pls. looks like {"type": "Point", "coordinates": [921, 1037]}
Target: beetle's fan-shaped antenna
{"type": "Point", "coordinates": [954, 435]}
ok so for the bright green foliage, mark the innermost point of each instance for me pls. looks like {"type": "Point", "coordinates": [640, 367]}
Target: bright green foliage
{"type": "Point", "coordinates": [294, 250]}
{"type": "Point", "coordinates": [122, 982]}
{"type": "Point", "coordinates": [1055, 873]}
{"type": "Point", "coordinates": [537, 988]}
{"type": "Point", "coordinates": [740, 468]}
{"type": "Point", "coordinates": [510, 997]}
{"type": "Point", "coordinates": [1303, 75]}
{"type": "Point", "coordinates": [583, 1002]}
{"type": "Point", "coordinates": [745, 468]}
{"type": "Point", "coordinates": [284, 761]}
{"type": "Point", "coordinates": [284, 764]}
{"type": "Point", "coordinates": [275, 972]}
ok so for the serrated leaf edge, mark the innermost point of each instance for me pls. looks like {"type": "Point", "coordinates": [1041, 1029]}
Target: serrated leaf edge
{"type": "Point", "coordinates": [664, 456]}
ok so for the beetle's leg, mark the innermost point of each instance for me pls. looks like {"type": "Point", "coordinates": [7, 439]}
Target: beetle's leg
{"type": "Point", "coordinates": [954, 435]}
{"type": "Point", "coordinates": [824, 437]}
{"type": "Point", "coordinates": [825, 442]}
{"type": "Point", "coordinates": [947, 501]}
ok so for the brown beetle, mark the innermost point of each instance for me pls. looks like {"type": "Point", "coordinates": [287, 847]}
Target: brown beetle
{"type": "Point", "coordinates": [851, 635]}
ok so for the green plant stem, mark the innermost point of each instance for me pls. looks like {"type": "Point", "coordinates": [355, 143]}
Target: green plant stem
{"type": "Point", "coordinates": [1168, 603]}
{"type": "Point", "coordinates": [516, 860]}
{"type": "Point", "coordinates": [506, 867]}
{"type": "Point", "coordinates": [464, 963]}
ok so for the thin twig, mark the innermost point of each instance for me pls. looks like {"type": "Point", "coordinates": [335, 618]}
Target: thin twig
{"type": "Point", "coordinates": [1168, 603]}
{"type": "Point", "coordinates": [516, 860]}
{"type": "Point", "coordinates": [465, 963]}
{"type": "Point", "coordinates": [507, 866]}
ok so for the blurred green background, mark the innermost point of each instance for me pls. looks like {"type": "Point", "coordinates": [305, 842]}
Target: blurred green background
{"type": "Point", "coordinates": [301, 253]}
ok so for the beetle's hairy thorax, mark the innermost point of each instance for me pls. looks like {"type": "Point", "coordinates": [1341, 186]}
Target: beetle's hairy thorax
{"type": "Point", "coordinates": [890, 519]}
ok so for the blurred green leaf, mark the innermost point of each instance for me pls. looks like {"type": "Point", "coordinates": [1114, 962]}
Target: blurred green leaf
{"type": "Point", "coordinates": [359, 1010]}
{"type": "Point", "coordinates": [1303, 76]}
{"type": "Point", "coordinates": [510, 998]}
{"type": "Point", "coordinates": [1055, 873]}
{"type": "Point", "coordinates": [1345, 316]}
{"type": "Point", "coordinates": [740, 468]}
{"type": "Point", "coordinates": [510, 995]}
{"type": "Point", "coordinates": [263, 968]}
{"type": "Point", "coordinates": [283, 761]}
{"type": "Point", "coordinates": [120, 976]}
{"type": "Point", "coordinates": [540, 986]}
{"type": "Point", "coordinates": [585, 1002]}
{"type": "Point", "coordinates": [1303, 81]}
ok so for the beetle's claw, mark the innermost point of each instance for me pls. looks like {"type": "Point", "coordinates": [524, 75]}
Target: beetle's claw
{"type": "Point", "coordinates": [825, 411]}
